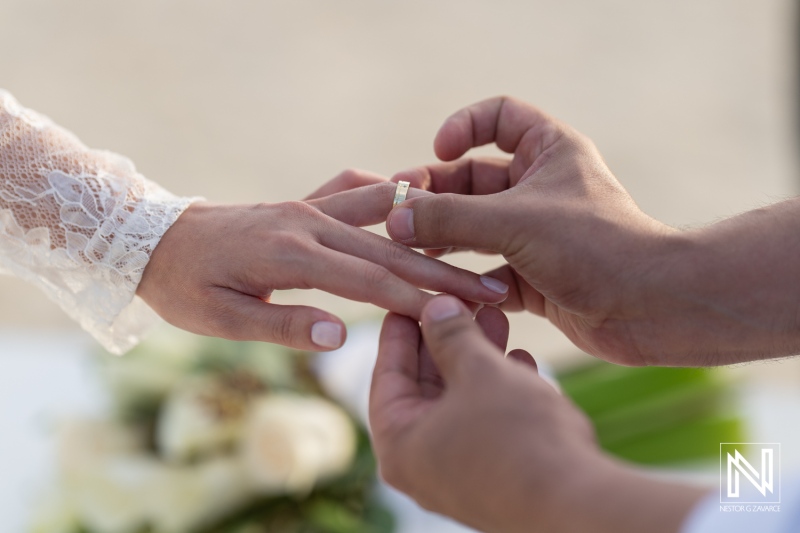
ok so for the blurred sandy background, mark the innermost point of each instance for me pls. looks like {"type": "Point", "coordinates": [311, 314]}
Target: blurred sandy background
{"type": "Point", "coordinates": [692, 103]}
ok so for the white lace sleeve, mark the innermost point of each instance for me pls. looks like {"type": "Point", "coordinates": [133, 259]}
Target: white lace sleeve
{"type": "Point", "coordinates": [79, 223]}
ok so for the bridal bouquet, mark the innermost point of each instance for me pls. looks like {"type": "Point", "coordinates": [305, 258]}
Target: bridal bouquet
{"type": "Point", "coordinates": [215, 437]}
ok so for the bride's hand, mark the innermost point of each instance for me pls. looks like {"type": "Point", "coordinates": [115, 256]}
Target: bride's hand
{"type": "Point", "coordinates": [216, 267]}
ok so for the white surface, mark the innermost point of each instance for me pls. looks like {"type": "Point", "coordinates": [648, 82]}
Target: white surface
{"type": "Point", "coordinates": [43, 376]}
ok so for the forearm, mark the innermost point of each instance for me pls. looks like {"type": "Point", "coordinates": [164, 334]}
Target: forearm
{"type": "Point", "coordinates": [726, 293]}
{"type": "Point", "coordinates": [608, 497]}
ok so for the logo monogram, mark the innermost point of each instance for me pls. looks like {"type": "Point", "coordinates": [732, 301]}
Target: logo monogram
{"type": "Point", "coordinates": [741, 481]}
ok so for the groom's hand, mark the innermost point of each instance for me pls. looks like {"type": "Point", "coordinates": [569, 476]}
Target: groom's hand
{"type": "Point", "coordinates": [488, 442]}
{"type": "Point", "coordinates": [458, 428]}
{"type": "Point", "coordinates": [579, 250]}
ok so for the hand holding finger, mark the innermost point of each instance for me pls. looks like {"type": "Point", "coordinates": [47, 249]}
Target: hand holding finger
{"type": "Point", "coordinates": [456, 343]}
{"type": "Point", "coordinates": [412, 266]}
{"type": "Point", "coordinates": [521, 294]}
{"type": "Point", "coordinates": [396, 374]}
{"type": "Point", "coordinates": [453, 220]}
{"type": "Point", "coordinates": [363, 206]}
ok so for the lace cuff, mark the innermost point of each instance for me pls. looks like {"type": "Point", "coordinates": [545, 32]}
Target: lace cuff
{"type": "Point", "coordinates": [80, 224]}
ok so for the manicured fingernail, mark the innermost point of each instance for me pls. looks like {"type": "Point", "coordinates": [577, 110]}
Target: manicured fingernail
{"type": "Point", "coordinates": [494, 284]}
{"type": "Point", "coordinates": [443, 307]}
{"type": "Point", "coordinates": [327, 334]}
{"type": "Point", "coordinates": [401, 223]}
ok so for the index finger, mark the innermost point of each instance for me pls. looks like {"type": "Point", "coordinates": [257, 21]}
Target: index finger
{"type": "Point", "coordinates": [364, 206]}
{"type": "Point", "coordinates": [502, 120]}
{"type": "Point", "coordinates": [348, 179]}
{"type": "Point", "coordinates": [396, 373]}
{"type": "Point", "coordinates": [465, 176]}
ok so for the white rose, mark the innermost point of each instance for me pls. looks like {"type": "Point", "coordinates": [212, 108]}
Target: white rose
{"type": "Point", "coordinates": [190, 423]}
{"type": "Point", "coordinates": [82, 443]}
{"type": "Point", "coordinates": [56, 515]}
{"type": "Point", "coordinates": [102, 472]}
{"type": "Point", "coordinates": [111, 495]}
{"type": "Point", "coordinates": [153, 368]}
{"type": "Point", "coordinates": [185, 498]}
{"type": "Point", "coordinates": [291, 442]}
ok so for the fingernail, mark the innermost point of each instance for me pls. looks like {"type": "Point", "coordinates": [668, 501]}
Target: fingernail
{"type": "Point", "coordinates": [327, 334]}
{"type": "Point", "coordinates": [401, 223]}
{"type": "Point", "coordinates": [442, 308]}
{"type": "Point", "coordinates": [494, 285]}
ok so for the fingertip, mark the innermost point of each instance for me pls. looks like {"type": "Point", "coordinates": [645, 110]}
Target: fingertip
{"type": "Point", "coordinates": [328, 334]}
{"type": "Point", "coordinates": [418, 177]}
{"type": "Point", "coordinates": [492, 316]}
{"type": "Point", "coordinates": [523, 357]}
{"type": "Point", "coordinates": [452, 139]}
{"type": "Point", "coordinates": [400, 224]}
{"type": "Point", "coordinates": [494, 285]}
{"type": "Point", "coordinates": [436, 253]}
{"type": "Point", "coordinates": [394, 321]}
{"type": "Point", "coordinates": [495, 326]}
{"type": "Point", "coordinates": [443, 307]}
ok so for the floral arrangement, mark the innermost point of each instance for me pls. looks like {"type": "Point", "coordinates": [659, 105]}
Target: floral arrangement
{"type": "Point", "coordinates": [210, 436]}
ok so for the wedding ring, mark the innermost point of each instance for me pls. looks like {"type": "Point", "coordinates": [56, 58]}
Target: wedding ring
{"type": "Point", "coordinates": [400, 193]}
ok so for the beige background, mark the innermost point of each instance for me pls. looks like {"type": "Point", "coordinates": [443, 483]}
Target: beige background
{"type": "Point", "coordinates": [692, 103]}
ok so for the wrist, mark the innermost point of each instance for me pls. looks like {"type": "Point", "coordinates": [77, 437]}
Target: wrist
{"type": "Point", "coordinates": [161, 257]}
{"type": "Point", "coordinates": [606, 496]}
{"type": "Point", "coordinates": [721, 295]}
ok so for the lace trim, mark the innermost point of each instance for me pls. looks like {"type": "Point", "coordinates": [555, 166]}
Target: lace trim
{"type": "Point", "coordinates": [80, 224]}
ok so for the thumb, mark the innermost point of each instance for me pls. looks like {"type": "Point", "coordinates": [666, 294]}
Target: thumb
{"type": "Point", "coordinates": [446, 220]}
{"type": "Point", "coordinates": [247, 318]}
{"type": "Point", "coordinates": [455, 342]}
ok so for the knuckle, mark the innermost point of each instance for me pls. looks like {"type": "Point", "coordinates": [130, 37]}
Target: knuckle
{"type": "Point", "coordinates": [376, 276]}
{"type": "Point", "coordinates": [263, 206]}
{"type": "Point", "coordinates": [350, 177]}
{"type": "Point", "coordinates": [283, 329]}
{"type": "Point", "coordinates": [280, 242]}
{"type": "Point", "coordinates": [220, 322]}
{"type": "Point", "coordinates": [381, 193]}
{"type": "Point", "coordinates": [507, 99]}
{"type": "Point", "coordinates": [432, 215]}
{"type": "Point", "coordinates": [398, 254]}
{"type": "Point", "coordinates": [298, 211]}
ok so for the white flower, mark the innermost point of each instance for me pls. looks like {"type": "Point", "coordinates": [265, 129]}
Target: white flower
{"type": "Point", "coordinates": [153, 369]}
{"type": "Point", "coordinates": [83, 443]}
{"type": "Point", "coordinates": [184, 498]}
{"type": "Point", "coordinates": [291, 442]}
{"type": "Point", "coordinates": [112, 485]}
{"type": "Point", "coordinates": [193, 421]}
{"type": "Point", "coordinates": [112, 495]}
{"type": "Point", "coordinates": [103, 474]}
{"type": "Point", "coordinates": [56, 515]}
